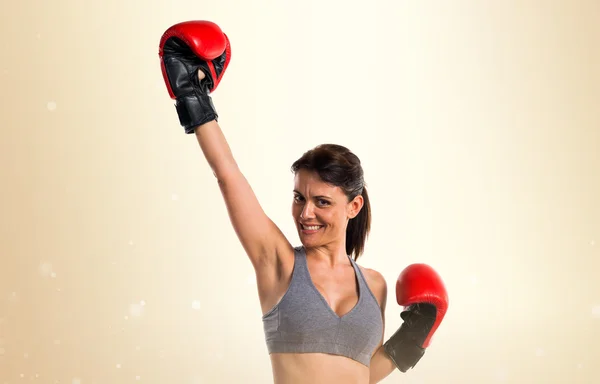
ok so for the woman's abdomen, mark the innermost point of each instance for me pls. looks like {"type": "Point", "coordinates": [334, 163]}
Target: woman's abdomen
{"type": "Point", "coordinates": [317, 368]}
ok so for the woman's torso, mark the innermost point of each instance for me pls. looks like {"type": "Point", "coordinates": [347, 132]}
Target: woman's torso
{"type": "Point", "coordinates": [320, 327]}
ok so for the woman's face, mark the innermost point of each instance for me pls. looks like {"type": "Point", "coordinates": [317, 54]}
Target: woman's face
{"type": "Point", "coordinates": [321, 211]}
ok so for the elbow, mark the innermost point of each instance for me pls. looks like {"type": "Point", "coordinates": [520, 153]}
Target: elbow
{"type": "Point", "coordinates": [225, 172]}
{"type": "Point", "coordinates": [228, 175]}
{"type": "Point", "coordinates": [218, 176]}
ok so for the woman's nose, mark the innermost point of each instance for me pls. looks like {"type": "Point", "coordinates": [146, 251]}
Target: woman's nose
{"type": "Point", "coordinates": [307, 211]}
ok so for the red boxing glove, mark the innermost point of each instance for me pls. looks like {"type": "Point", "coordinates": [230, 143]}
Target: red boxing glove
{"type": "Point", "coordinates": [422, 292]}
{"type": "Point", "coordinates": [184, 49]}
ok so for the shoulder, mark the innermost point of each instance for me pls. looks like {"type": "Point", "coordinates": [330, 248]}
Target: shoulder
{"type": "Point", "coordinates": [376, 283]}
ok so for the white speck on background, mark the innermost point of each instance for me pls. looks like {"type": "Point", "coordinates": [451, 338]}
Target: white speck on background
{"type": "Point", "coordinates": [51, 105]}
{"type": "Point", "coordinates": [136, 310]}
{"type": "Point", "coordinates": [45, 269]}
{"type": "Point", "coordinates": [501, 375]}
{"type": "Point", "coordinates": [474, 280]}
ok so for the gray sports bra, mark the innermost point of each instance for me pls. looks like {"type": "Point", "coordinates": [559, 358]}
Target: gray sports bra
{"type": "Point", "coordinates": [303, 322]}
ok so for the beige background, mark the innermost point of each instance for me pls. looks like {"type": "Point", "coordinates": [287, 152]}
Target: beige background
{"type": "Point", "coordinates": [477, 123]}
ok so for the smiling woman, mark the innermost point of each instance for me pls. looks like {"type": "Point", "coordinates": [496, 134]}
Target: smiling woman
{"type": "Point", "coordinates": [330, 307]}
{"type": "Point", "coordinates": [323, 315]}
{"type": "Point", "coordinates": [317, 171]}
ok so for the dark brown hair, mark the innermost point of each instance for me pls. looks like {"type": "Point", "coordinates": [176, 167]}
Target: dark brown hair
{"type": "Point", "coordinates": [338, 166]}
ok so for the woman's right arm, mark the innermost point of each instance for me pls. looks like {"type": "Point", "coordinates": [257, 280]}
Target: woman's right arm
{"type": "Point", "coordinates": [200, 47]}
{"type": "Point", "coordinates": [260, 237]}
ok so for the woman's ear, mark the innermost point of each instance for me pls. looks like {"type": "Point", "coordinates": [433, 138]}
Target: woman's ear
{"type": "Point", "coordinates": [355, 206]}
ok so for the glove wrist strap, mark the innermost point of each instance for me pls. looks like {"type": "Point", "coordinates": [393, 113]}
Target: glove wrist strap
{"type": "Point", "coordinates": [194, 110]}
{"type": "Point", "coordinates": [402, 350]}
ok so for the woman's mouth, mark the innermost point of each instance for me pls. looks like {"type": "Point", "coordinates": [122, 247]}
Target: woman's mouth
{"type": "Point", "coordinates": [310, 228]}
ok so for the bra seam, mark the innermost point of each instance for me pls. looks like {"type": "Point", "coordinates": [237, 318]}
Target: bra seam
{"type": "Point", "coordinates": [366, 284]}
{"type": "Point", "coordinates": [287, 291]}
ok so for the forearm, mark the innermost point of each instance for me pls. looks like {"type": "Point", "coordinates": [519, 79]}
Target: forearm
{"type": "Point", "coordinates": [381, 366]}
{"type": "Point", "coordinates": [215, 148]}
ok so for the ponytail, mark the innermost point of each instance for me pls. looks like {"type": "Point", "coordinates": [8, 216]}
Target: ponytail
{"type": "Point", "coordinates": [358, 229]}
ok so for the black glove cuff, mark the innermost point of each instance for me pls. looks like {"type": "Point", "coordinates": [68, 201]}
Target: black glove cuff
{"type": "Point", "coordinates": [194, 110]}
{"type": "Point", "coordinates": [403, 350]}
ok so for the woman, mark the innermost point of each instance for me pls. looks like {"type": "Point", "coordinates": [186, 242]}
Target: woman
{"type": "Point", "coordinates": [323, 315]}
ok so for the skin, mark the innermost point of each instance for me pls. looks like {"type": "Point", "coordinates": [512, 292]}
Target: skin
{"type": "Point", "coordinates": [272, 256]}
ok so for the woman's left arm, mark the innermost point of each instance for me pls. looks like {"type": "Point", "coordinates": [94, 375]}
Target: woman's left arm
{"type": "Point", "coordinates": [421, 291]}
{"type": "Point", "coordinates": [381, 365]}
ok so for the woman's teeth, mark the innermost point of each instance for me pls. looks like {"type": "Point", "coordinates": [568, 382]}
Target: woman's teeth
{"type": "Point", "coordinates": [311, 227]}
